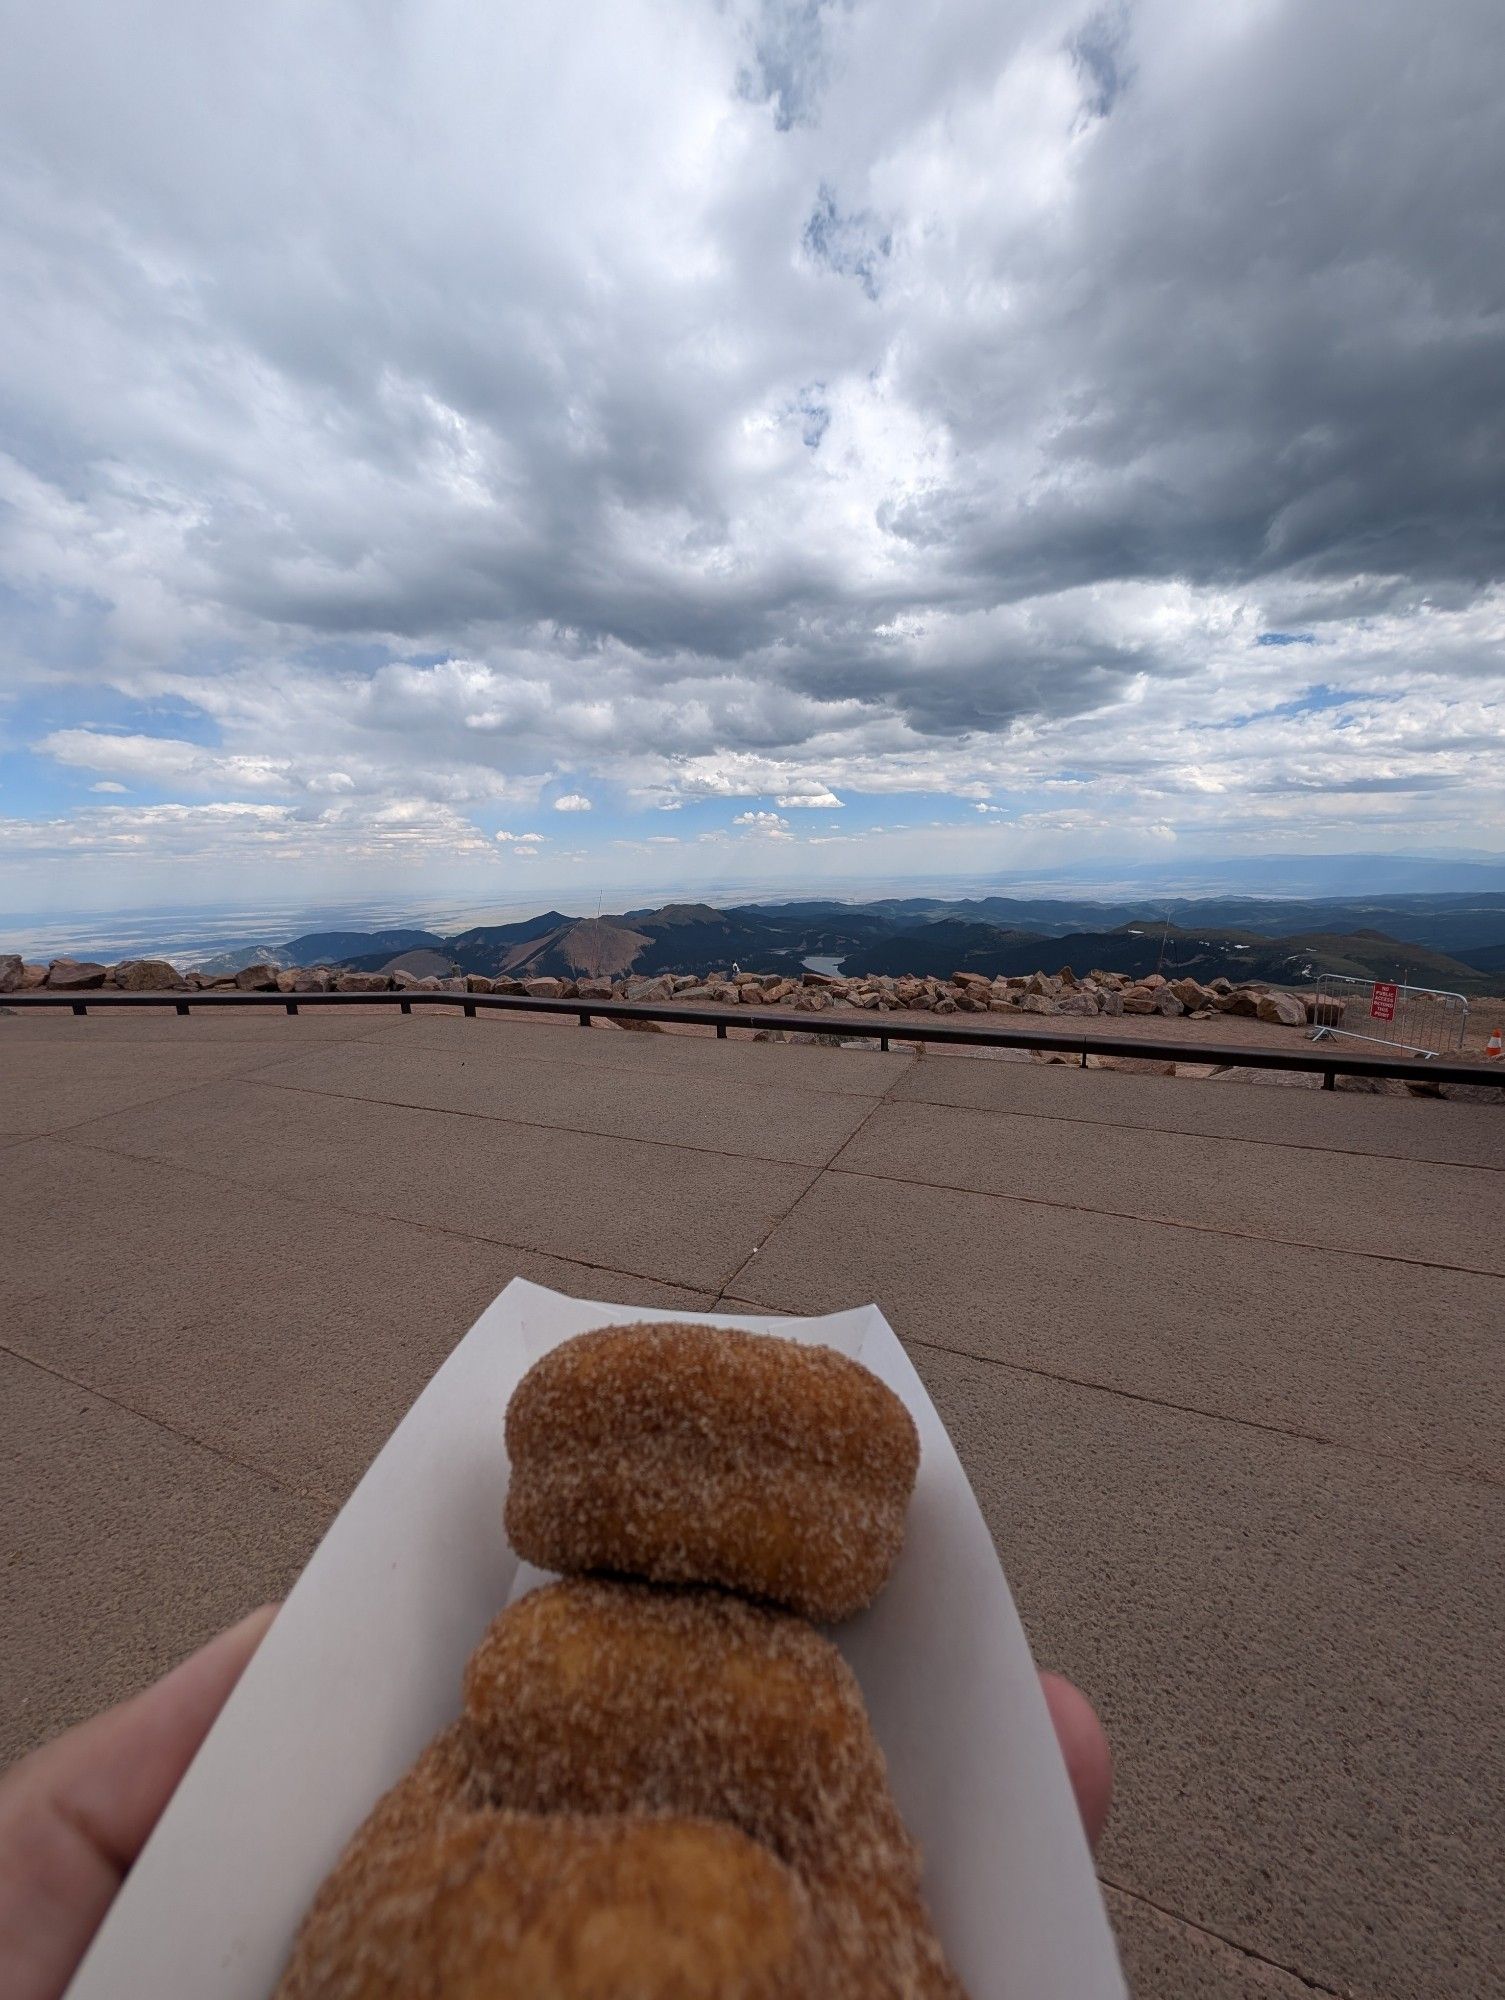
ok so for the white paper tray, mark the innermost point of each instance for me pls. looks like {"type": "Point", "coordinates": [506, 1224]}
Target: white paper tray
{"type": "Point", "coordinates": [363, 1666]}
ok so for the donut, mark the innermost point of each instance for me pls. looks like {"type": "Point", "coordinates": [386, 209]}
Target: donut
{"type": "Point", "coordinates": [455, 1904]}
{"type": "Point", "coordinates": [697, 1454]}
{"type": "Point", "coordinates": [599, 1697]}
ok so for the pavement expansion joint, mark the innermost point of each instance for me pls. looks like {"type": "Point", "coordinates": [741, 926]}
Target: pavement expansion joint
{"type": "Point", "coordinates": [1234, 1944]}
{"type": "Point", "coordinates": [1322, 1438]}
{"type": "Point", "coordinates": [1171, 1222]}
{"type": "Point", "coordinates": [311, 1493]}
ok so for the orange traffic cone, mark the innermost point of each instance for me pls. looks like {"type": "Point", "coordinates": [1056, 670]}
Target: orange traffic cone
{"type": "Point", "coordinates": [1493, 1050]}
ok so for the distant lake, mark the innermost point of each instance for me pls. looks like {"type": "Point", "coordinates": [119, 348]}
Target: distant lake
{"type": "Point", "coordinates": [830, 966]}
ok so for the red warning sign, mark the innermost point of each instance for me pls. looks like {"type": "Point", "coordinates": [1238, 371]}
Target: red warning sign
{"type": "Point", "coordinates": [1382, 1000]}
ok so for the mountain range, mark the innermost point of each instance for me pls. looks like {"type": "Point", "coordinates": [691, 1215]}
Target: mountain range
{"type": "Point", "coordinates": [1455, 941]}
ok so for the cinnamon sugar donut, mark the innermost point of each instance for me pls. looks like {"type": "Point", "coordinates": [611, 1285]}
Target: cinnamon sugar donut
{"type": "Point", "coordinates": [591, 1696]}
{"type": "Point", "coordinates": [430, 1903]}
{"type": "Point", "coordinates": [697, 1454]}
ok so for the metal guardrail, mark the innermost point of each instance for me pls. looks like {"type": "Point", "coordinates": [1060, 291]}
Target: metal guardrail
{"type": "Point", "coordinates": [1423, 1019]}
{"type": "Point", "coordinates": [845, 1027]}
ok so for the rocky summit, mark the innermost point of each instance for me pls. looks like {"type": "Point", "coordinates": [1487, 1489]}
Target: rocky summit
{"type": "Point", "coordinates": [1063, 993]}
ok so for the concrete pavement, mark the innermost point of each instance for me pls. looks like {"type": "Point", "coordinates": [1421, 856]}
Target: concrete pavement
{"type": "Point", "coordinates": [1223, 1363]}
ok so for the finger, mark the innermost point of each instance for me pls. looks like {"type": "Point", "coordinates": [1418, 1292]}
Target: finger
{"type": "Point", "coordinates": [75, 1814]}
{"type": "Point", "coordinates": [1084, 1745]}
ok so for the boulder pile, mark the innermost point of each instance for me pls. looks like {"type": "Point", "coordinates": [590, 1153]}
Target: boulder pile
{"type": "Point", "coordinates": [1063, 994]}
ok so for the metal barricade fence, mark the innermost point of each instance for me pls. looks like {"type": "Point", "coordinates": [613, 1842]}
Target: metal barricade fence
{"type": "Point", "coordinates": [1423, 1019]}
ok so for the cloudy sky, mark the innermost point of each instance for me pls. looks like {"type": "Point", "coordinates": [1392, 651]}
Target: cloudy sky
{"type": "Point", "coordinates": [455, 445]}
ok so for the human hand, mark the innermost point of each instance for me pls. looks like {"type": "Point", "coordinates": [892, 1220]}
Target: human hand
{"type": "Point", "coordinates": [75, 1814]}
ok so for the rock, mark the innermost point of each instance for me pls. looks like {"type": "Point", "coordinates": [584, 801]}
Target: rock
{"type": "Point", "coordinates": [403, 982]}
{"type": "Point", "coordinates": [477, 982]}
{"type": "Point", "coordinates": [696, 990]}
{"type": "Point", "coordinates": [1222, 984]}
{"type": "Point", "coordinates": [1191, 993]}
{"type": "Point", "coordinates": [32, 975]}
{"type": "Point", "coordinates": [1037, 1003]}
{"type": "Point", "coordinates": [285, 978]}
{"type": "Point", "coordinates": [543, 989]}
{"type": "Point", "coordinates": [1067, 978]}
{"type": "Point", "coordinates": [503, 983]}
{"type": "Point", "coordinates": [814, 1000]}
{"type": "Point", "coordinates": [681, 980]}
{"type": "Point", "coordinates": [1284, 1009]}
{"type": "Point", "coordinates": [364, 982]}
{"type": "Point", "coordinates": [313, 979]}
{"type": "Point", "coordinates": [1137, 1000]}
{"type": "Point", "coordinates": [945, 1005]}
{"type": "Point", "coordinates": [1165, 1002]}
{"type": "Point", "coordinates": [780, 990]}
{"type": "Point", "coordinates": [819, 979]}
{"type": "Point", "coordinates": [1240, 1001]}
{"type": "Point", "coordinates": [1110, 1001]}
{"type": "Point", "coordinates": [147, 975]}
{"type": "Point", "coordinates": [661, 988]}
{"type": "Point", "coordinates": [725, 994]}
{"type": "Point", "coordinates": [970, 979]}
{"type": "Point", "coordinates": [1039, 983]}
{"type": "Point", "coordinates": [72, 975]}
{"type": "Point", "coordinates": [258, 978]}
{"type": "Point", "coordinates": [595, 989]}
{"type": "Point", "coordinates": [1077, 1003]}
{"type": "Point", "coordinates": [12, 972]}
{"type": "Point", "coordinates": [1153, 980]}
{"type": "Point", "coordinates": [869, 1001]}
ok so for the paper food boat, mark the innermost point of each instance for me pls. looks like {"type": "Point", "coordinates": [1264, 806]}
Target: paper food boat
{"type": "Point", "coordinates": [363, 1666]}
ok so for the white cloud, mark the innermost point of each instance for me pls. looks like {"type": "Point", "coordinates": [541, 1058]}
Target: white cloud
{"type": "Point", "coordinates": [871, 426]}
{"type": "Point", "coordinates": [809, 795]}
{"type": "Point", "coordinates": [109, 785]}
{"type": "Point", "coordinates": [521, 839]}
{"type": "Point", "coordinates": [764, 825]}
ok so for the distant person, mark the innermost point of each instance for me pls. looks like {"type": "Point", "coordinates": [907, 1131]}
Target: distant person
{"type": "Point", "coordinates": [75, 1814]}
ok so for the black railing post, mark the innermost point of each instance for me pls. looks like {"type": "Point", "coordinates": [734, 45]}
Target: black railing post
{"type": "Point", "coordinates": [80, 1007]}
{"type": "Point", "coordinates": [292, 1006]}
{"type": "Point", "coordinates": [406, 1006]}
{"type": "Point", "coordinates": [585, 1017]}
{"type": "Point", "coordinates": [470, 1010]}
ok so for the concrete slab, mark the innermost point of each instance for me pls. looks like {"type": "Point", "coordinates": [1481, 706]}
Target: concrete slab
{"type": "Point", "coordinates": [128, 1547]}
{"type": "Point", "coordinates": [45, 1086]}
{"type": "Point", "coordinates": [289, 1335]}
{"type": "Point", "coordinates": [662, 1211]}
{"type": "Point", "coordinates": [684, 1052]}
{"type": "Point", "coordinates": [1165, 1959]}
{"type": "Point", "coordinates": [1294, 1643]}
{"type": "Point", "coordinates": [158, 1024]}
{"type": "Point", "coordinates": [1391, 1358]}
{"type": "Point", "coordinates": [754, 1119]}
{"type": "Point", "coordinates": [1297, 1655]}
{"type": "Point", "coordinates": [1350, 1201]}
{"type": "Point", "coordinates": [1401, 1128]}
